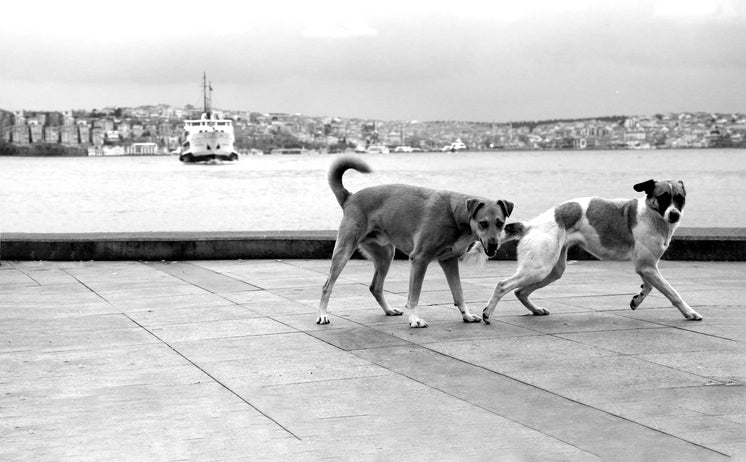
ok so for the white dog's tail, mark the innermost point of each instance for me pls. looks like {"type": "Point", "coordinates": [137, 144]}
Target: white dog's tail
{"type": "Point", "coordinates": [475, 254]}
{"type": "Point", "coordinates": [337, 170]}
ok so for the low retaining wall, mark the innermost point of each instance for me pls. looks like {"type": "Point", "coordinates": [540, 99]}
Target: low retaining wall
{"type": "Point", "coordinates": [693, 244]}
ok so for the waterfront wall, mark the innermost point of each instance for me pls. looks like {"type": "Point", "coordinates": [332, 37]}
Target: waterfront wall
{"type": "Point", "coordinates": [691, 244]}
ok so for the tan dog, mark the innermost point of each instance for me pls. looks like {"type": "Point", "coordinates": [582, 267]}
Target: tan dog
{"type": "Point", "coordinates": [425, 224]}
{"type": "Point", "coordinates": [618, 229]}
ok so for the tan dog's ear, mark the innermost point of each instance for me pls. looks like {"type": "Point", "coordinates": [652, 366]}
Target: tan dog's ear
{"type": "Point", "coordinates": [507, 206]}
{"type": "Point", "coordinates": [473, 205]}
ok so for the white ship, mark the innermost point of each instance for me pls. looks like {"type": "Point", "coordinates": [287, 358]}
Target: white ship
{"type": "Point", "coordinates": [210, 138]}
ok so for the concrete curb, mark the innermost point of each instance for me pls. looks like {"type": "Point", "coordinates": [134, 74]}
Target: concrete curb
{"type": "Point", "coordinates": [691, 244]}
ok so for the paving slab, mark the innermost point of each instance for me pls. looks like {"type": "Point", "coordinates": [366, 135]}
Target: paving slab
{"type": "Point", "coordinates": [223, 360]}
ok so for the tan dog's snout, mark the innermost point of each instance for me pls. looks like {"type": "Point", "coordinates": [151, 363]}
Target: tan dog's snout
{"type": "Point", "coordinates": [491, 246]}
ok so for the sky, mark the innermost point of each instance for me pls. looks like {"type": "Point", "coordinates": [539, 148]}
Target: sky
{"type": "Point", "coordinates": [494, 61]}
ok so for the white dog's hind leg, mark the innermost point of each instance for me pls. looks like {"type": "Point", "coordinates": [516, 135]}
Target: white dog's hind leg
{"type": "Point", "coordinates": [519, 279]}
{"type": "Point", "coordinates": [640, 297]}
{"type": "Point", "coordinates": [522, 293]}
{"type": "Point", "coordinates": [537, 257]}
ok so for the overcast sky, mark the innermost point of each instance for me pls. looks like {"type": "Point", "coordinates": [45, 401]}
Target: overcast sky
{"type": "Point", "coordinates": [468, 60]}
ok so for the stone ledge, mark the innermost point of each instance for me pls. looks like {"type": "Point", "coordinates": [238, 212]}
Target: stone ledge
{"type": "Point", "coordinates": [692, 244]}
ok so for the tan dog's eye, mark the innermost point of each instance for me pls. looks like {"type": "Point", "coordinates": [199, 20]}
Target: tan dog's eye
{"type": "Point", "coordinates": [499, 223]}
{"type": "Point", "coordinates": [484, 224]}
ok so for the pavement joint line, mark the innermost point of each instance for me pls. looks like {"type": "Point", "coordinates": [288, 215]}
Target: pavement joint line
{"type": "Point", "coordinates": [213, 378]}
{"type": "Point", "coordinates": [639, 357]}
{"type": "Point", "coordinates": [206, 269]}
{"type": "Point", "coordinates": [459, 398]}
{"type": "Point", "coordinates": [232, 302]}
{"type": "Point", "coordinates": [38, 284]}
{"type": "Point", "coordinates": [337, 380]}
{"type": "Point", "coordinates": [424, 346]}
{"type": "Point", "coordinates": [559, 396]}
{"type": "Point", "coordinates": [671, 326]}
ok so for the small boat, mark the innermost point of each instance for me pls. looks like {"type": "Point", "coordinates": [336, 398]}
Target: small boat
{"type": "Point", "coordinates": [377, 149]}
{"type": "Point", "coordinates": [210, 138]}
{"type": "Point", "coordinates": [457, 145]}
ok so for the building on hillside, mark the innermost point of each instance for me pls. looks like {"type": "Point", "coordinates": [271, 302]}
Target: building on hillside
{"type": "Point", "coordinates": [36, 130]}
{"type": "Point", "coordinates": [20, 136]}
{"type": "Point", "coordinates": [52, 134]}
{"type": "Point", "coordinates": [98, 136]}
{"type": "Point", "coordinates": [84, 132]}
{"type": "Point", "coordinates": [69, 135]}
{"type": "Point", "coordinates": [142, 149]}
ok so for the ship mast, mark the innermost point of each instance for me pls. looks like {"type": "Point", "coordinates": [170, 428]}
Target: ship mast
{"type": "Point", "coordinates": [206, 97]}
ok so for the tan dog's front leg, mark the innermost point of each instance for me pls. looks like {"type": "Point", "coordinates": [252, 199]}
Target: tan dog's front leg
{"type": "Point", "coordinates": [450, 268]}
{"type": "Point", "coordinates": [417, 269]}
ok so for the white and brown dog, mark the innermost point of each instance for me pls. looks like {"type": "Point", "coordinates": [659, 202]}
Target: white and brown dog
{"type": "Point", "coordinates": [426, 224]}
{"type": "Point", "coordinates": [619, 229]}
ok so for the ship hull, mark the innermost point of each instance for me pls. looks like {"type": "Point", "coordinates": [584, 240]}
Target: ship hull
{"type": "Point", "coordinates": [209, 141]}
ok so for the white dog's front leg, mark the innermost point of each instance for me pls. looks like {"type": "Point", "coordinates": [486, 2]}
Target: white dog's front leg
{"type": "Point", "coordinates": [653, 276]}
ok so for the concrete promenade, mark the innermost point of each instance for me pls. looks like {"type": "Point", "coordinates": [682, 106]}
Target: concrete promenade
{"type": "Point", "coordinates": [222, 360]}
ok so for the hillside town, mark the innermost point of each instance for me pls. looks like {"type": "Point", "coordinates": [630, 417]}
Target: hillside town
{"type": "Point", "coordinates": [158, 130]}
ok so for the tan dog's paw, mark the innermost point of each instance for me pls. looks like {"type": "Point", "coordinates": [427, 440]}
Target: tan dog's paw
{"type": "Point", "coordinates": [417, 323]}
{"type": "Point", "coordinates": [323, 319]}
{"type": "Point", "coordinates": [394, 312]}
{"type": "Point", "coordinates": [485, 316]}
{"type": "Point", "coordinates": [693, 316]}
{"type": "Point", "coordinates": [468, 317]}
{"type": "Point", "coordinates": [540, 311]}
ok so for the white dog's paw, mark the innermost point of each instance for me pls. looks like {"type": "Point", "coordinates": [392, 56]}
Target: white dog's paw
{"type": "Point", "coordinates": [485, 316]}
{"type": "Point", "coordinates": [394, 312]}
{"type": "Point", "coordinates": [323, 319]}
{"type": "Point", "coordinates": [693, 316]}
{"type": "Point", "coordinates": [636, 301]}
{"type": "Point", "coordinates": [469, 317]}
{"type": "Point", "coordinates": [417, 323]}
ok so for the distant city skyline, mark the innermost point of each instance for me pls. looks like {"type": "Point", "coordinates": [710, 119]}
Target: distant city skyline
{"type": "Point", "coordinates": [467, 60]}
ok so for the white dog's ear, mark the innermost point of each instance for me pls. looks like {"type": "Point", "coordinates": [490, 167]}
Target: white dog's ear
{"type": "Point", "coordinates": [472, 205]}
{"type": "Point", "coordinates": [647, 186]}
{"type": "Point", "coordinates": [682, 187]}
{"type": "Point", "coordinates": [507, 206]}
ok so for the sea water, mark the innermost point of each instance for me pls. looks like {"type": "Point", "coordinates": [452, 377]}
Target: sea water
{"type": "Point", "coordinates": [290, 192]}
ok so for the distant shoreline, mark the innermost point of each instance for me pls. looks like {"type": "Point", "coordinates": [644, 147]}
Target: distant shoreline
{"type": "Point", "coordinates": [56, 150]}
{"type": "Point", "coordinates": [41, 150]}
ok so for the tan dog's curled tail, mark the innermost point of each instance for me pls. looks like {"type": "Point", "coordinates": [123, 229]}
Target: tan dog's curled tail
{"type": "Point", "coordinates": [337, 170]}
